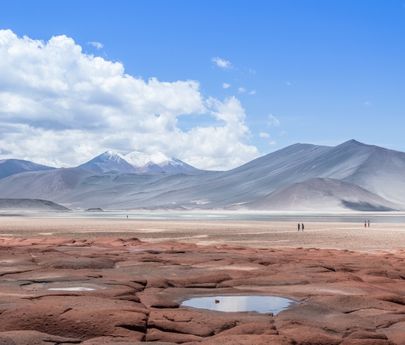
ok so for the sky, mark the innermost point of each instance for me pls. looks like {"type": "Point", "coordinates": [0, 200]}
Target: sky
{"type": "Point", "coordinates": [214, 83]}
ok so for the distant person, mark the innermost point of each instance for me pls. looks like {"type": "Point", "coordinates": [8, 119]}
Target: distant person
{"type": "Point", "coordinates": [127, 216]}
{"type": "Point", "coordinates": [299, 226]}
{"type": "Point", "coordinates": [302, 227]}
{"type": "Point", "coordinates": [365, 224]}
{"type": "Point", "coordinates": [368, 223]}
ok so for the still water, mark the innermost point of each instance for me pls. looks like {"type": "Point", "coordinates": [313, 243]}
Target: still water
{"type": "Point", "coordinates": [259, 304]}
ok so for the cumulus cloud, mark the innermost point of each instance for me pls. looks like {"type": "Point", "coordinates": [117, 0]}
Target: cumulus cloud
{"type": "Point", "coordinates": [226, 85]}
{"type": "Point", "coordinates": [221, 63]}
{"type": "Point", "coordinates": [97, 45]}
{"type": "Point", "coordinates": [61, 106]}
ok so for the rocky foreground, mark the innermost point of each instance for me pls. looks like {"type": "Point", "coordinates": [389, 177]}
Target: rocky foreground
{"type": "Point", "coordinates": [121, 292]}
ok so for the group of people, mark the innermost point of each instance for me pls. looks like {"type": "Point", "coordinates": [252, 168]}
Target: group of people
{"type": "Point", "coordinates": [301, 226]}
{"type": "Point", "coordinates": [367, 223]}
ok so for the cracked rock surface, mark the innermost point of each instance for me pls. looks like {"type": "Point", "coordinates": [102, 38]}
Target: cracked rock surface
{"type": "Point", "coordinates": [123, 291]}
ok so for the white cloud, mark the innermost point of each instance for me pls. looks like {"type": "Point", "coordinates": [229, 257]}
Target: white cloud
{"type": "Point", "coordinates": [221, 63]}
{"type": "Point", "coordinates": [242, 89]}
{"type": "Point", "coordinates": [60, 106]}
{"type": "Point", "coordinates": [97, 45]}
{"type": "Point", "coordinates": [264, 135]}
{"type": "Point", "coordinates": [226, 85]}
{"type": "Point", "coordinates": [273, 121]}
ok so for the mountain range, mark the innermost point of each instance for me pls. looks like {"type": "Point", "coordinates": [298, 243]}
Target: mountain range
{"type": "Point", "coordinates": [137, 163]}
{"type": "Point", "coordinates": [300, 177]}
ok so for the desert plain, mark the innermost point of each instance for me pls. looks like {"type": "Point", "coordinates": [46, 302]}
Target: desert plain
{"type": "Point", "coordinates": [67, 280]}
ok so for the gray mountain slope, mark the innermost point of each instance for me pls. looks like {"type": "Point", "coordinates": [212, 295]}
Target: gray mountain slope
{"type": "Point", "coordinates": [10, 167]}
{"type": "Point", "coordinates": [31, 205]}
{"type": "Point", "coordinates": [76, 187]}
{"type": "Point", "coordinates": [56, 185]}
{"type": "Point", "coordinates": [383, 173]}
{"type": "Point", "coordinates": [378, 170]}
{"type": "Point", "coordinates": [134, 191]}
{"type": "Point", "coordinates": [322, 195]}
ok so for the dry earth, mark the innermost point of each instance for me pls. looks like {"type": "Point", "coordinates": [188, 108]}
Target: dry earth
{"type": "Point", "coordinates": [353, 236]}
{"type": "Point", "coordinates": [131, 290]}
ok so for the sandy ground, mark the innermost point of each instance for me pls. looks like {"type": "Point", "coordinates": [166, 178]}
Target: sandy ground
{"type": "Point", "coordinates": [352, 236]}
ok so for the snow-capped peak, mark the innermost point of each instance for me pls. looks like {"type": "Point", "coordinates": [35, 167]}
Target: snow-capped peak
{"type": "Point", "coordinates": [140, 159]}
{"type": "Point", "coordinates": [158, 162]}
{"type": "Point", "coordinates": [109, 161]}
{"type": "Point", "coordinates": [137, 162]}
{"type": "Point", "coordinates": [111, 155]}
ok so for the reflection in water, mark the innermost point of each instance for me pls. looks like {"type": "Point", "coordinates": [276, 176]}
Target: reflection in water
{"type": "Point", "coordinates": [259, 304]}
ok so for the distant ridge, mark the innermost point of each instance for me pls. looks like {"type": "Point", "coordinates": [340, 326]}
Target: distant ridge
{"type": "Point", "coordinates": [349, 176]}
{"type": "Point", "coordinates": [31, 204]}
{"type": "Point", "coordinates": [10, 167]}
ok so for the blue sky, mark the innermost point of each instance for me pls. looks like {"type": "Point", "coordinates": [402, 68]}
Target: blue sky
{"type": "Point", "coordinates": [303, 70]}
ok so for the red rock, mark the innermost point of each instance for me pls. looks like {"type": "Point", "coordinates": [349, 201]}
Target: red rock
{"type": "Point", "coordinates": [366, 342]}
{"type": "Point", "coordinates": [396, 333]}
{"type": "Point", "coordinates": [258, 327]}
{"type": "Point", "coordinates": [304, 335]}
{"type": "Point", "coordinates": [33, 338]}
{"type": "Point", "coordinates": [78, 263]}
{"type": "Point", "coordinates": [119, 341]}
{"type": "Point", "coordinates": [323, 317]}
{"type": "Point", "coordinates": [366, 335]}
{"type": "Point", "coordinates": [202, 324]}
{"type": "Point", "coordinates": [247, 339]}
{"type": "Point", "coordinates": [77, 317]}
{"type": "Point", "coordinates": [178, 338]}
{"type": "Point", "coordinates": [348, 297]}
